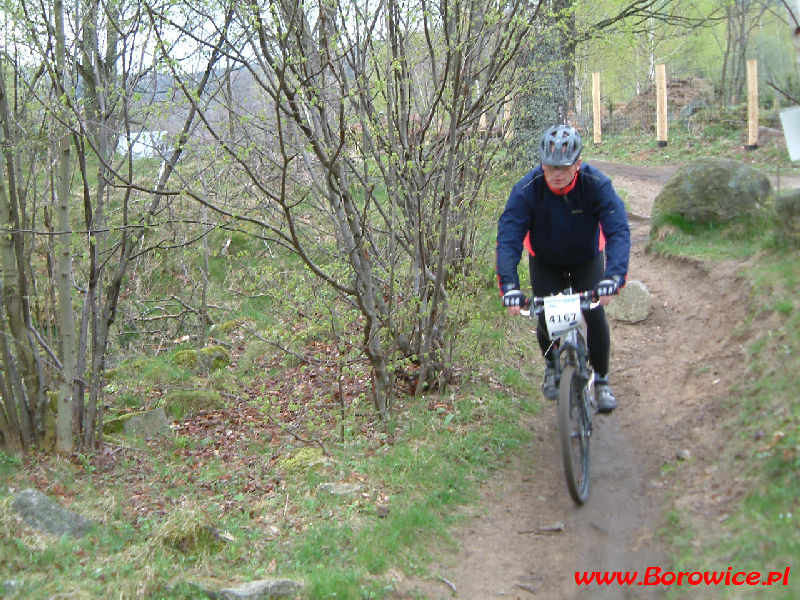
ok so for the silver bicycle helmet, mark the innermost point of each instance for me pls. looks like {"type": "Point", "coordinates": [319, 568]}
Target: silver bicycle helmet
{"type": "Point", "coordinates": [560, 146]}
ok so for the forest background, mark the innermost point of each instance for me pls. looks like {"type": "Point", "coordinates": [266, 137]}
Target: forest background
{"type": "Point", "coordinates": [353, 142]}
{"type": "Point", "coordinates": [195, 195]}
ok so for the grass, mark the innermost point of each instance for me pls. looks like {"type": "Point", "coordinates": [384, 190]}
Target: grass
{"type": "Point", "coordinates": [707, 242]}
{"type": "Point", "coordinates": [232, 497]}
{"type": "Point", "coordinates": [683, 146]}
{"type": "Point", "coordinates": [235, 495]}
{"type": "Point", "coordinates": [763, 534]}
{"type": "Point", "coordinates": [340, 546]}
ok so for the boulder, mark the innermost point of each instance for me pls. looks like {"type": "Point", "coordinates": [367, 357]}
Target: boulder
{"type": "Point", "coordinates": [301, 461]}
{"type": "Point", "coordinates": [40, 512]}
{"type": "Point", "coordinates": [264, 589]}
{"type": "Point", "coordinates": [632, 304]}
{"type": "Point", "coordinates": [204, 360]}
{"type": "Point", "coordinates": [711, 191]}
{"type": "Point", "coordinates": [787, 218]}
{"type": "Point", "coordinates": [770, 136]}
{"type": "Point", "coordinates": [149, 424]}
{"type": "Point", "coordinates": [184, 404]}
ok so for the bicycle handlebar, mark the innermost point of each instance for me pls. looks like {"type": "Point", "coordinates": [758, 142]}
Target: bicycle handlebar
{"type": "Point", "coordinates": [534, 305]}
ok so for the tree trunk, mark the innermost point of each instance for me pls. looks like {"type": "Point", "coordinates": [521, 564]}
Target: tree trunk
{"type": "Point", "coordinates": [25, 403]}
{"type": "Point", "coordinates": [796, 35]}
{"type": "Point", "coordinates": [66, 314]}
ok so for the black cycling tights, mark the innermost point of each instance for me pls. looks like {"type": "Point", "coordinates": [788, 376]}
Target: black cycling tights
{"type": "Point", "coordinates": [547, 279]}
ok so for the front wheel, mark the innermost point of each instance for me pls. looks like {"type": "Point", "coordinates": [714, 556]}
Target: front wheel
{"type": "Point", "coordinates": [574, 429]}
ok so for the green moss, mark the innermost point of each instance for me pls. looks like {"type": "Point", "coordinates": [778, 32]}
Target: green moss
{"type": "Point", "coordinates": [190, 532]}
{"type": "Point", "coordinates": [154, 371]}
{"type": "Point", "coordinates": [116, 423]}
{"type": "Point", "coordinates": [214, 357]}
{"type": "Point", "coordinates": [186, 359]}
{"type": "Point", "coordinates": [181, 404]}
{"type": "Point", "coordinates": [203, 360]}
{"type": "Point", "coordinates": [301, 462]}
{"type": "Point", "coordinates": [230, 326]}
{"type": "Point", "coordinates": [223, 380]}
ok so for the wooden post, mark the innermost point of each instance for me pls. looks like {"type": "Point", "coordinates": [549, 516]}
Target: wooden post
{"type": "Point", "coordinates": [507, 123]}
{"type": "Point", "coordinates": [661, 105]}
{"type": "Point", "coordinates": [752, 104]}
{"type": "Point", "coordinates": [596, 107]}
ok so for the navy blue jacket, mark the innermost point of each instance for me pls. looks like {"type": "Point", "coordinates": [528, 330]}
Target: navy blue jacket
{"type": "Point", "coordinates": [565, 230]}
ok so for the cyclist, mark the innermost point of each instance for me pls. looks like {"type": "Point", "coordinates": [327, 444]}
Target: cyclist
{"type": "Point", "coordinates": [574, 225]}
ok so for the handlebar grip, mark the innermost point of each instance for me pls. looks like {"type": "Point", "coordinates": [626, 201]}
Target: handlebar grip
{"type": "Point", "coordinates": [525, 307]}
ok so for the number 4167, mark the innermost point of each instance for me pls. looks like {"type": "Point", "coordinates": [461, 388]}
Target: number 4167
{"type": "Point", "coordinates": [563, 318]}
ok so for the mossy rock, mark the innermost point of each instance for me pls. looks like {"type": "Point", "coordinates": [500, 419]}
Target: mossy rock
{"type": "Point", "coordinates": [228, 327]}
{"type": "Point", "coordinates": [787, 218]}
{"type": "Point", "coordinates": [301, 462]}
{"type": "Point", "coordinates": [154, 371]}
{"type": "Point", "coordinates": [712, 191]}
{"type": "Point", "coordinates": [203, 360]}
{"type": "Point", "coordinates": [214, 357]}
{"type": "Point", "coordinates": [140, 364]}
{"type": "Point", "coordinates": [148, 424]}
{"type": "Point", "coordinates": [116, 423]}
{"type": "Point", "coordinates": [199, 539]}
{"type": "Point", "coordinates": [190, 532]}
{"type": "Point", "coordinates": [182, 404]}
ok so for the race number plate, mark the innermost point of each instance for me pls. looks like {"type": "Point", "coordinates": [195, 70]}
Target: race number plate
{"type": "Point", "coordinates": [561, 313]}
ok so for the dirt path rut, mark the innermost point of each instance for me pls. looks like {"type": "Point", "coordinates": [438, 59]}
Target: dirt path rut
{"type": "Point", "coordinates": [671, 373]}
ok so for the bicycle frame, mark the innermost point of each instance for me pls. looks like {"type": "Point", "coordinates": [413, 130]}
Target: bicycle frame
{"type": "Point", "coordinates": [570, 347]}
{"type": "Point", "coordinates": [576, 401]}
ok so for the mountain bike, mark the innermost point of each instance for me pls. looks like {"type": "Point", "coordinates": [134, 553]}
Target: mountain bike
{"type": "Point", "coordinates": [574, 378]}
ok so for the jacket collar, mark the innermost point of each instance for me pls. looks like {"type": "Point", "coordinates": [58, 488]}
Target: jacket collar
{"type": "Point", "coordinates": [566, 189]}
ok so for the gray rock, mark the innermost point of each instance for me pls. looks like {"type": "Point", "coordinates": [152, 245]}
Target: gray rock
{"type": "Point", "coordinates": [710, 191]}
{"type": "Point", "coordinates": [11, 586]}
{"type": "Point", "coordinates": [40, 512]}
{"type": "Point", "coordinates": [150, 424]}
{"type": "Point", "coordinates": [632, 304]}
{"type": "Point", "coordinates": [263, 589]}
{"type": "Point", "coordinates": [787, 217]}
{"type": "Point", "coordinates": [340, 489]}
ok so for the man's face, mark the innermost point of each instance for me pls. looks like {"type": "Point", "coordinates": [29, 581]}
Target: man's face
{"type": "Point", "coordinates": [559, 177]}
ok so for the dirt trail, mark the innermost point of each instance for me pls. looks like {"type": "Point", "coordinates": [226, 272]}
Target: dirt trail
{"type": "Point", "coordinates": [671, 373]}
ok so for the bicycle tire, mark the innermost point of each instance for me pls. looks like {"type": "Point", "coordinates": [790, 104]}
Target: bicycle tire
{"type": "Point", "coordinates": [574, 432]}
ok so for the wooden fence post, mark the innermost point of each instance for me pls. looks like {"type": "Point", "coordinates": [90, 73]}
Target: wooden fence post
{"type": "Point", "coordinates": [661, 105]}
{"type": "Point", "coordinates": [507, 107]}
{"type": "Point", "coordinates": [596, 108]}
{"type": "Point", "coordinates": [752, 104]}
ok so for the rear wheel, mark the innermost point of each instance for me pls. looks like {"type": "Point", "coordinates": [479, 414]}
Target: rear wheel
{"type": "Point", "coordinates": [574, 429]}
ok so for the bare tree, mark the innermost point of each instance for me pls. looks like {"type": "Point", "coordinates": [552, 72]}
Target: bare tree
{"type": "Point", "coordinates": [96, 68]}
{"type": "Point", "coordinates": [742, 17]}
{"type": "Point", "coordinates": [66, 318]}
{"type": "Point", "coordinates": [365, 143]}
{"type": "Point", "coordinates": [561, 30]}
{"type": "Point", "coordinates": [23, 385]}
